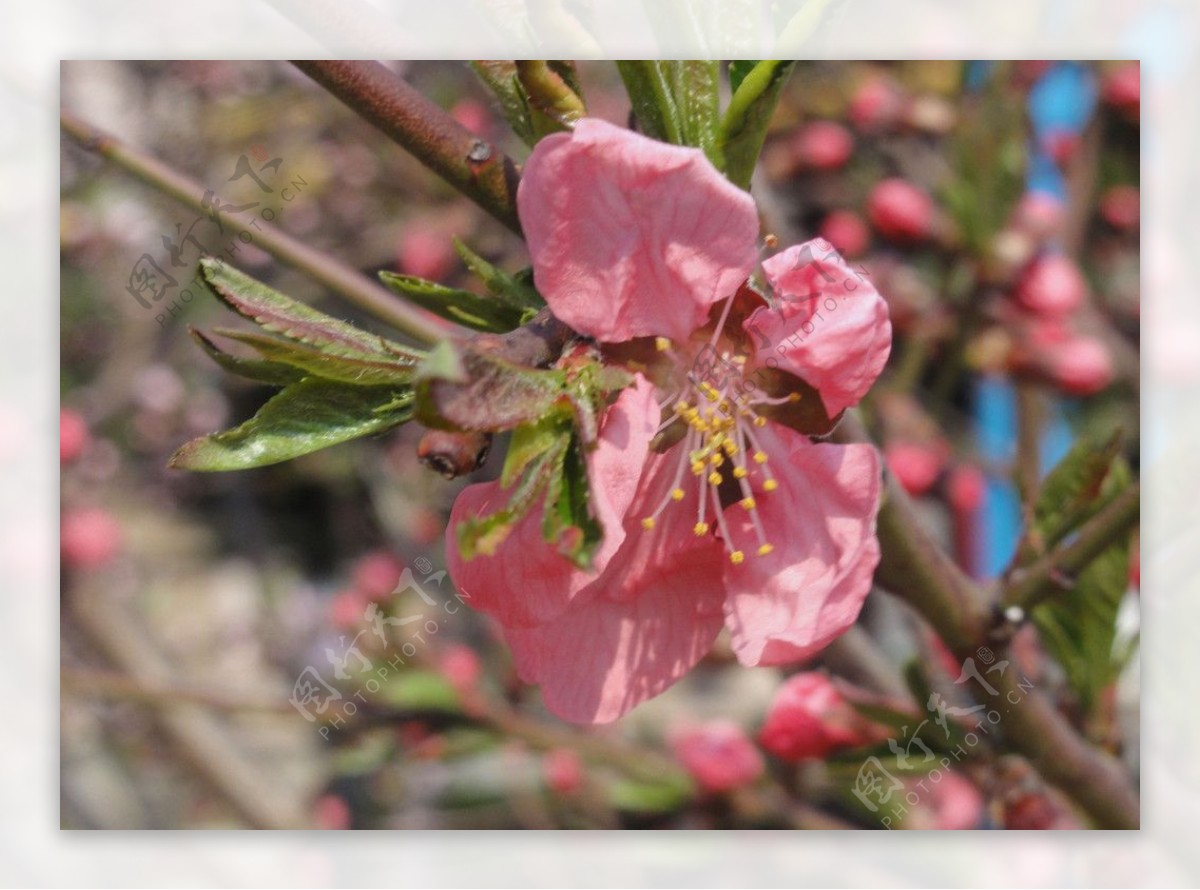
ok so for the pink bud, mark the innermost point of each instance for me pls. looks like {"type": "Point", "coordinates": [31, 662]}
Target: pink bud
{"type": "Point", "coordinates": [823, 145]}
{"type": "Point", "coordinates": [424, 253]}
{"type": "Point", "coordinates": [348, 608]}
{"type": "Point", "coordinates": [811, 719]}
{"type": "Point", "coordinates": [718, 755]}
{"type": "Point", "coordinates": [965, 488]}
{"type": "Point", "coordinates": [846, 231]}
{"type": "Point", "coordinates": [376, 574]}
{"type": "Point", "coordinates": [563, 770]}
{"type": "Point", "coordinates": [1061, 145]}
{"type": "Point", "coordinates": [331, 813]}
{"type": "Point", "coordinates": [90, 537]}
{"type": "Point", "coordinates": [1121, 207]}
{"type": "Point", "coordinates": [1122, 89]}
{"type": "Point", "coordinates": [1082, 366]}
{"type": "Point", "coordinates": [877, 104]}
{"type": "Point", "coordinates": [900, 211]}
{"type": "Point", "coordinates": [916, 466]}
{"type": "Point", "coordinates": [1052, 285]}
{"type": "Point", "coordinates": [954, 804]}
{"type": "Point", "coordinates": [460, 666]}
{"type": "Point", "coordinates": [73, 435]}
{"type": "Point", "coordinates": [1039, 215]}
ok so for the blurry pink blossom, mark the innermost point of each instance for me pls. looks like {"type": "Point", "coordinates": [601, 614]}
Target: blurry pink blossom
{"type": "Point", "coordinates": [810, 719]}
{"type": "Point", "coordinates": [823, 145]}
{"type": "Point", "coordinates": [900, 211]}
{"type": "Point", "coordinates": [563, 770]}
{"type": "Point", "coordinates": [73, 435]}
{"type": "Point", "coordinates": [1052, 286]}
{"type": "Point", "coordinates": [847, 232]}
{"type": "Point", "coordinates": [90, 537]}
{"type": "Point", "coordinates": [718, 755]}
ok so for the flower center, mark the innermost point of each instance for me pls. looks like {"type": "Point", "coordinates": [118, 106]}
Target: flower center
{"type": "Point", "coordinates": [717, 404]}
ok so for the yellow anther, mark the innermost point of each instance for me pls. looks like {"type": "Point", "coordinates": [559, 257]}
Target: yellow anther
{"type": "Point", "coordinates": [677, 494]}
{"type": "Point", "coordinates": [749, 503]}
{"type": "Point", "coordinates": [717, 459]}
{"type": "Point", "coordinates": [681, 407]}
{"type": "Point", "coordinates": [698, 467]}
{"type": "Point", "coordinates": [701, 528]}
{"type": "Point", "coordinates": [772, 241]}
{"type": "Point", "coordinates": [737, 557]}
{"type": "Point", "coordinates": [760, 457]}
{"type": "Point", "coordinates": [765, 549]}
{"type": "Point", "coordinates": [714, 478]}
{"type": "Point", "coordinates": [710, 393]}
{"type": "Point", "coordinates": [740, 472]}
{"type": "Point", "coordinates": [648, 523]}
{"type": "Point", "coordinates": [770, 485]}
{"type": "Point", "coordinates": [794, 397]}
{"type": "Point", "coordinates": [662, 344]}
{"type": "Point", "coordinates": [760, 421]}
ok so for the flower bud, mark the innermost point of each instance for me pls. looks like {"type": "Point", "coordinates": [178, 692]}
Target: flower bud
{"type": "Point", "coordinates": [90, 537]}
{"type": "Point", "coordinates": [424, 253]}
{"type": "Point", "coordinates": [73, 436]}
{"type": "Point", "coordinates": [847, 232]}
{"type": "Point", "coordinates": [811, 719]}
{"type": "Point", "coordinates": [562, 770]}
{"type": "Point", "coordinates": [1121, 207]}
{"type": "Point", "coordinates": [916, 466]}
{"type": "Point", "coordinates": [376, 574]}
{"type": "Point", "coordinates": [718, 755]}
{"type": "Point", "coordinates": [1122, 89]}
{"type": "Point", "coordinates": [1082, 366]}
{"type": "Point", "coordinates": [1052, 286]}
{"type": "Point", "coordinates": [900, 211]}
{"type": "Point", "coordinates": [823, 145]}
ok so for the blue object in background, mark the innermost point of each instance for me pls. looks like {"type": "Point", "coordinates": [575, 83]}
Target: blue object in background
{"type": "Point", "coordinates": [1061, 102]}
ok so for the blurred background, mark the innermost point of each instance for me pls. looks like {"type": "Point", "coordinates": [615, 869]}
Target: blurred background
{"type": "Point", "coordinates": [210, 621]}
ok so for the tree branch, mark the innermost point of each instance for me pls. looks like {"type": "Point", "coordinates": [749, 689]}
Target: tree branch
{"type": "Point", "coordinates": [916, 570]}
{"type": "Point", "coordinates": [374, 298]}
{"type": "Point", "coordinates": [477, 169]}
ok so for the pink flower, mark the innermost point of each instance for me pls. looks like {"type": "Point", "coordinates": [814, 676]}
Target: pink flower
{"type": "Point", "coordinates": [810, 719]}
{"type": "Point", "coordinates": [916, 465]}
{"type": "Point", "coordinates": [718, 755]}
{"type": "Point", "coordinates": [1039, 215]}
{"type": "Point", "coordinates": [741, 522]}
{"type": "Point", "coordinates": [1082, 366]}
{"type": "Point", "coordinates": [376, 574]}
{"type": "Point", "coordinates": [1121, 206]}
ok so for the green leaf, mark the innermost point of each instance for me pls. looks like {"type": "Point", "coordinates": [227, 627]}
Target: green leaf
{"type": "Point", "coordinates": [1082, 483]}
{"type": "Point", "coordinates": [461, 306]}
{"type": "Point", "coordinates": [1079, 627]}
{"type": "Point", "coordinates": [282, 315]}
{"type": "Point", "coordinates": [501, 78]}
{"type": "Point", "coordinates": [418, 690]}
{"type": "Point", "coordinates": [272, 373]}
{"type": "Point", "coordinates": [331, 366]}
{"type": "Point", "coordinates": [744, 127]}
{"type": "Point", "coordinates": [738, 72]}
{"type": "Point", "coordinates": [663, 796]}
{"type": "Point", "coordinates": [516, 291]}
{"type": "Point", "coordinates": [677, 102]}
{"type": "Point", "coordinates": [304, 417]}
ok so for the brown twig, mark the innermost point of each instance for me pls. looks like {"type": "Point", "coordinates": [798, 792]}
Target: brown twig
{"type": "Point", "coordinates": [338, 277]}
{"type": "Point", "coordinates": [476, 168]}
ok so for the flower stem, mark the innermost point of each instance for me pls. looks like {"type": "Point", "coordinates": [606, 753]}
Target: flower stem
{"type": "Point", "coordinates": [422, 326]}
{"type": "Point", "coordinates": [477, 169]}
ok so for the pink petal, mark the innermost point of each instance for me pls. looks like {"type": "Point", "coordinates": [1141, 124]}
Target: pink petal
{"type": "Point", "coordinates": [791, 603]}
{"type": "Point", "coordinates": [830, 328]}
{"type": "Point", "coordinates": [632, 237]}
{"type": "Point", "coordinates": [527, 581]}
{"type": "Point", "coordinates": [641, 625]}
